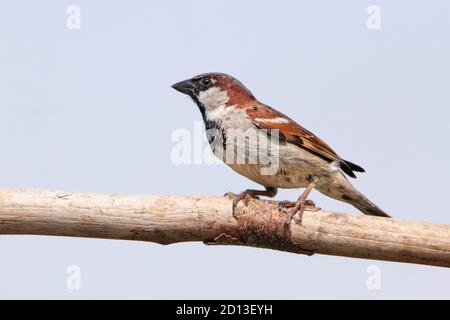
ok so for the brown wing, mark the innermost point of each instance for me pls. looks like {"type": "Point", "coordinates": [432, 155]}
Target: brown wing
{"type": "Point", "coordinates": [261, 116]}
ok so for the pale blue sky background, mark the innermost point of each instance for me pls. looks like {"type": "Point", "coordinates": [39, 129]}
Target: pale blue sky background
{"type": "Point", "coordinates": [92, 110]}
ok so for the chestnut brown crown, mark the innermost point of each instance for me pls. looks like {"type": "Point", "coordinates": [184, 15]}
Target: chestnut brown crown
{"type": "Point", "coordinates": [237, 92]}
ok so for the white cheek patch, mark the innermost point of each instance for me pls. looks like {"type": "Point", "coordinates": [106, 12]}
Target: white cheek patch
{"type": "Point", "coordinates": [272, 120]}
{"type": "Point", "coordinates": [213, 98]}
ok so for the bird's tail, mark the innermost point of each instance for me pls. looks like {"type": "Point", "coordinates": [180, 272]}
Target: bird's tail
{"type": "Point", "coordinates": [341, 189]}
{"type": "Point", "coordinates": [366, 206]}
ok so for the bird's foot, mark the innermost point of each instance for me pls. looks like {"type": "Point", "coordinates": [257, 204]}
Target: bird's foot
{"type": "Point", "coordinates": [297, 210]}
{"type": "Point", "coordinates": [309, 205]}
{"type": "Point", "coordinates": [282, 205]}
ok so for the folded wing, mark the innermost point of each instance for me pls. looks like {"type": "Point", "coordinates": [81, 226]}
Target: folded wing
{"type": "Point", "coordinates": [265, 117]}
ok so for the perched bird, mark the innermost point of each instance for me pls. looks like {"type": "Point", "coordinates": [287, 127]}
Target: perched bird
{"type": "Point", "coordinates": [303, 159]}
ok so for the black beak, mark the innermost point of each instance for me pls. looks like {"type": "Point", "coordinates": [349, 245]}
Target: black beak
{"type": "Point", "coordinates": [187, 87]}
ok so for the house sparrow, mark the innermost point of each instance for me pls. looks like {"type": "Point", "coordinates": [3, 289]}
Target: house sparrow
{"type": "Point", "coordinates": [303, 159]}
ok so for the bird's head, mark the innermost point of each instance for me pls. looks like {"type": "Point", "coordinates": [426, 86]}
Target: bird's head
{"type": "Point", "coordinates": [212, 91]}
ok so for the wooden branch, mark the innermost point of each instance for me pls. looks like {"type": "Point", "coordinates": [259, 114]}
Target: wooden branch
{"type": "Point", "coordinates": [170, 219]}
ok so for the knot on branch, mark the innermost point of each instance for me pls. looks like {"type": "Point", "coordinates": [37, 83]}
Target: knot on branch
{"type": "Point", "coordinates": [260, 224]}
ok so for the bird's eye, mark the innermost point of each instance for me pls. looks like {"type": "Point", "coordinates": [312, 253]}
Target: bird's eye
{"type": "Point", "coordinates": [205, 82]}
